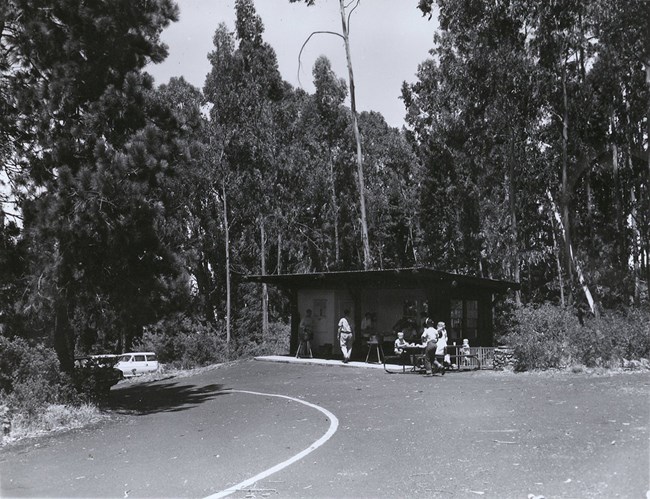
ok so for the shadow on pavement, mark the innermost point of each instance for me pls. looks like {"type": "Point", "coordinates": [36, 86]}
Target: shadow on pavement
{"type": "Point", "coordinates": [171, 396]}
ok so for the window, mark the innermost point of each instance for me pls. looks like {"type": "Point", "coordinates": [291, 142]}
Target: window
{"type": "Point", "coordinates": [320, 308]}
{"type": "Point", "coordinates": [138, 358]}
{"type": "Point", "coordinates": [464, 319]}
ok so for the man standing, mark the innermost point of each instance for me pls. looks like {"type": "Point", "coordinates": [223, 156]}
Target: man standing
{"type": "Point", "coordinates": [345, 336]}
{"type": "Point", "coordinates": [306, 335]}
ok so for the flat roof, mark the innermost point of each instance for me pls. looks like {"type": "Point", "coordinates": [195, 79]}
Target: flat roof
{"type": "Point", "coordinates": [384, 278]}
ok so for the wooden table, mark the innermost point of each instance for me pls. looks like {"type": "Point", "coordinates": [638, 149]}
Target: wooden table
{"type": "Point", "coordinates": [410, 358]}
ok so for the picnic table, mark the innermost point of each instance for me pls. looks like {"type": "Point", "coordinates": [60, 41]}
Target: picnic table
{"type": "Point", "coordinates": [413, 359]}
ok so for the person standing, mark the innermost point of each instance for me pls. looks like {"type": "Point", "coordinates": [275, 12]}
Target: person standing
{"type": "Point", "coordinates": [430, 340]}
{"type": "Point", "coordinates": [367, 325]}
{"type": "Point", "coordinates": [345, 336]}
{"type": "Point", "coordinates": [441, 347]}
{"type": "Point", "coordinates": [306, 334]}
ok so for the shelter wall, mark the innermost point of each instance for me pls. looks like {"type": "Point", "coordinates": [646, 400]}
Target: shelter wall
{"type": "Point", "coordinates": [466, 311]}
{"type": "Point", "coordinates": [327, 307]}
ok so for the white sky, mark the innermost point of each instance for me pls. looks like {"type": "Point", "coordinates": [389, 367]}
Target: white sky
{"type": "Point", "coordinates": [388, 39]}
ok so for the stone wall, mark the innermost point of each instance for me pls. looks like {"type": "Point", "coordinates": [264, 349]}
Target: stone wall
{"type": "Point", "coordinates": [504, 358]}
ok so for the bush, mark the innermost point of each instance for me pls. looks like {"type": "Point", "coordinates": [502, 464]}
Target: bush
{"type": "Point", "coordinates": [30, 377]}
{"type": "Point", "coordinates": [184, 343]}
{"type": "Point", "coordinates": [549, 336]}
{"type": "Point", "coordinates": [276, 343]}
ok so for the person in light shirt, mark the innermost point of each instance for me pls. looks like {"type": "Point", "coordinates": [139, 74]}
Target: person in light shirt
{"type": "Point", "coordinates": [345, 336]}
{"type": "Point", "coordinates": [430, 342]}
{"type": "Point", "coordinates": [441, 347]}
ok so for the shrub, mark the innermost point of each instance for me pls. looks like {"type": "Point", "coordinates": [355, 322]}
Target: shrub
{"type": "Point", "coordinates": [184, 343]}
{"type": "Point", "coordinates": [276, 343]}
{"type": "Point", "coordinates": [549, 336]}
{"type": "Point", "coordinates": [540, 336]}
{"type": "Point", "coordinates": [30, 378]}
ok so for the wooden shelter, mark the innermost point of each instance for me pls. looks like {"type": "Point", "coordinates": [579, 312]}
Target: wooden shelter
{"type": "Point", "coordinates": [398, 299]}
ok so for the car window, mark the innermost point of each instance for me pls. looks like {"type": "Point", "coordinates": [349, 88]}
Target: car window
{"type": "Point", "coordinates": [125, 358]}
{"type": "Point", "coordinates": [139, 358]}
{"type": "Point", "coordinates": [151, 357]}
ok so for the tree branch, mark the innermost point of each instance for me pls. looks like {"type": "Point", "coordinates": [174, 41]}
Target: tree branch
{"type": "Point", "coordinates": [307, 41]}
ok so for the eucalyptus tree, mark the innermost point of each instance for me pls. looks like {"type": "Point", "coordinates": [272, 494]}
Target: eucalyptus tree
{"type": "Point", "coordinates": [91, 162]}
{"type": "Point", "coordinates": [243, 84]}
{"type": "Point", "coordinates": [346, 11]}
{"type": "Point", "coordinates": [472, 114]}
{"type": "Point", "coordinates": [564, 111]}
{"type": "Point", "coordinates": [394, 211]}
{"type": "Point", "coordinates": [325, 124]}
{"type": "Point", "coordinates": [620, 79]}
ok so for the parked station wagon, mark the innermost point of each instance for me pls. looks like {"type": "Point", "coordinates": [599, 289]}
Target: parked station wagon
{"type": "Point", "coordinates": [137, 363]}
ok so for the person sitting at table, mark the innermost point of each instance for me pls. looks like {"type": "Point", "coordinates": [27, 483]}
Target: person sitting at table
{"type": "Point", "coordinates": [400, 348]}
{"type": "Point", "coordinates": [430, 340]}
{"type": "Point", "coordinates": [401, 343]}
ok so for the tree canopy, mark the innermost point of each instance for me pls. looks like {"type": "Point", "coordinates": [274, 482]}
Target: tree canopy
{"type": "Point", "coordinates": [524, 156]}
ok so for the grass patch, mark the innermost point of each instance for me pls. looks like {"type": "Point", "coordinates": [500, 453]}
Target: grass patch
{"type": "Point", "coordinates": [53, 418]}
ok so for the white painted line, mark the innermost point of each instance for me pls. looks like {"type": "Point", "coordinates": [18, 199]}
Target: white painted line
{"type": "Point", "coordinates": [334, 424]}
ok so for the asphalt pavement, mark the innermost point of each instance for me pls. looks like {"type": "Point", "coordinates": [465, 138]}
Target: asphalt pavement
{"type": "Point", "coordinates": [466, 434]}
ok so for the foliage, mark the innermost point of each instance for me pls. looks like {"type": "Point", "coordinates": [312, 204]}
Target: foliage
{"type": "Point", "coordinates": [30, 377]}
{"type": "Point", "coordinates": [522, 102]}
{"type": "Point", "coordinates": [276, 342]}
{"type": "Point", "coordinates": [141, 206]}
{"type": "Point", "coordinates": [184, 342]}
{"type": "Point", "coordinates": [92, 155]}
{"type": "Point", "coordinates": [548, 336]}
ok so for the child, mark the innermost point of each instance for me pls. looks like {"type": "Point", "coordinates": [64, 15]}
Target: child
{"type": "Point", "coordinates": [464, 350]}
{"type": "Point", "coordinates": [401, 343]}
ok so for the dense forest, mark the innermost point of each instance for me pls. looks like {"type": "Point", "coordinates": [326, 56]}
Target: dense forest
{"type": "Point", "coordinates": [137, 207]}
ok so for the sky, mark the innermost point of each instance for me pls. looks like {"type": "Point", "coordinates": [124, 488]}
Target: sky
{"type": "Point", "coordinates": [388, 39]}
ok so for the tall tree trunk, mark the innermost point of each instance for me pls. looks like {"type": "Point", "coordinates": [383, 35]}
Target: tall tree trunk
{"type": "Point", "coordinates": [636, 253]}
{"type": "Point", "coordinates": [63, 341]}
{"type": "Point", "coordinates": [644, 202]}
{"type": "Point", "coordinates": [566, 223]}
{"type": "Point", "coordinates": [572, 260]}
{"type": "Point", "coordinates": [558, 261]}
{"type": "Point", "coordinates": [335, 213]}
{"type": "Point", "coordinates": [227, 241]}
{"type": "Point", "coordinates": [265, 291]}
{"type": "Point", "coordinates": [620, 219]}
{"type": "Point", "coordinates": [279, 263]}
{"type": "Point", "coordinates": [357, 136]}
{"type": "Point", "coordinates": [513, 218]}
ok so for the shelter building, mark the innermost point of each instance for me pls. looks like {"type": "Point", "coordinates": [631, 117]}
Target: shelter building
{"type": "Point", "coordinates": [394, 300]}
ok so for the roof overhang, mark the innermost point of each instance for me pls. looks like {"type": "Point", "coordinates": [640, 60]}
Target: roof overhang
{"type": "Point", "coordinates": [408, 277]}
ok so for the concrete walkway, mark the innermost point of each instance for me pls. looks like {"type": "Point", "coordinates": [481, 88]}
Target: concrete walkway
{"type": "Point", "coordinates": [288, 359]}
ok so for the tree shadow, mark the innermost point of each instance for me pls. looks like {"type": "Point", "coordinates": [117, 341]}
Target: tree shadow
{"type": "Point", "coordinates": [152, 397]}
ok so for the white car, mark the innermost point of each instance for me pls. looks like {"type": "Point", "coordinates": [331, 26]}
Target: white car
{"type": "Point", "coordinates": [137, 363]}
